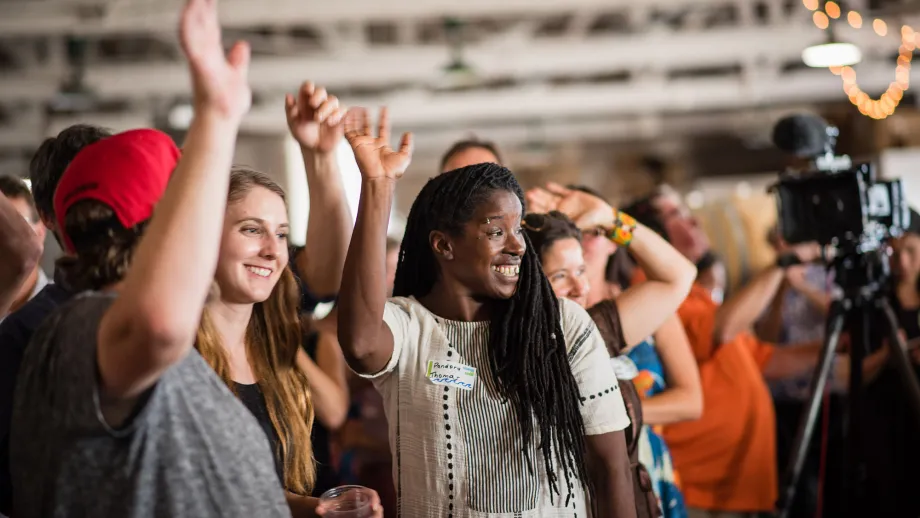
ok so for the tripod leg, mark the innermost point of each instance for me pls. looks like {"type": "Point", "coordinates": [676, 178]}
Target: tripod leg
{"type": "Point", "coordinates": [810, 413]}
{"type": "Point", "coordinates": [901, 360]}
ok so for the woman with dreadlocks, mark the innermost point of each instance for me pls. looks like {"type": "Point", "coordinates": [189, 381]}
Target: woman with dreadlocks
{"type": "Point", "coordinates": [500, 398]}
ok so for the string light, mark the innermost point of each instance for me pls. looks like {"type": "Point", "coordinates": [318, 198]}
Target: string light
{"type": "Point", "coordinates": [820, 20]}
{"type": "Point", "coordinates": [886, 104]}
{"type": "Point", "coordinates": [880, 27]}
{"type": "Point", "coordinates": [854, 19]}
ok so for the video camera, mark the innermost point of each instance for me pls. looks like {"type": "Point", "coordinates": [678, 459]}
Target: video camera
{"type": "Point", "coordinates": [834, 202]}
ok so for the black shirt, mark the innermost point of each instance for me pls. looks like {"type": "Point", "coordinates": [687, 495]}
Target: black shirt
{"type": "Point", "coordinates": [892, 452]}
{"type": "Point", "coordinates": [252, 397]}
{"type": "Point", "coordinates": [16, 331]}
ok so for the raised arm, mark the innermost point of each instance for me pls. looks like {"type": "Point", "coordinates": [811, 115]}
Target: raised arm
{"type": "Point", "coordinates": [315, 121]}
{"type": "Point", "coordinates": [152, 324]}
{"type": "Point", "coordinates": [21, 251]}
{"type": "Point", "coordinates": [644, 307]}
{"type": "Point", "coordinates": [741, 311]}
{"type": "Point", "coordinates": [327, 381]}
{"type": "Point", "coordinates": [365, 339]}
{"type": "Point", "coordinates": [683, 399]}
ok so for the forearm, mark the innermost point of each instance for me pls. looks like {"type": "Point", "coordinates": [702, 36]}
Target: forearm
{"type": "Point", "coordinates": [330, 401]}
{"type": "Point", "coordinates": [671, 406]}
{"type": "Point", "coordinates": [792, 361]}
{"type": "Point", "coordinates": [769, 327]}
{"type": "Point", "coordinates": [683, 400]}
{"type": "Point", "coordinates": [20, 249]}
{"type": "Point", "coordinates": [660, 261]}
{"type": "Point", "coordinates": [328, 227]}
{"type": "Point", "coordinates": [363, 295]}
{"type": "Point", "coordinates": [872, 366]}
{"type": "Point", "coordinates": [645, 306]}
{"type": "Point", "coordinates": [613, 490]}
{"type": "Point", "coordinates": [302, 506]}
{"type": "Point", "coordinates": [741, 311]}
{"type": "Point", "coordinates": [165, 289]}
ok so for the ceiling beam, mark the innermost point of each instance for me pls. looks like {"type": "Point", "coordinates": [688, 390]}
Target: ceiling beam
{"type": "Point", "coordinates": [19, 18]}
{"type": "Point", "coordinates": [422, 110]}
{"type": "Point", "coordinates": [539, 59]}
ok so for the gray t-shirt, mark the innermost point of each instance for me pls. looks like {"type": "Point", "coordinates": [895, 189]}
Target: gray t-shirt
{"type": "Point", "coordinates": [190, 450]}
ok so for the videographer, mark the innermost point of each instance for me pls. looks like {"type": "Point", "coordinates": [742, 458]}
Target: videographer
{"type": "Point", "coordinates": [892, 452]}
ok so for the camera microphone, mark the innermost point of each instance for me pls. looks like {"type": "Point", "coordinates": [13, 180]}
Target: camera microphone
{"type": "Point", "coordinates": [804, 136]}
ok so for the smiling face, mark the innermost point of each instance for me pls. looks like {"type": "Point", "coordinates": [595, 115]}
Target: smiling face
{"type": "Point", "coordinates": [564, 265]}
{"type": "Point", "coordinates": [254, 247]}
{"type": "Point", "coordinates": [485, 258]}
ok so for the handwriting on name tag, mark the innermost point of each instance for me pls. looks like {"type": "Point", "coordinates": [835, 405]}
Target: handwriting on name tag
{"type": "Point", "coordinates": [451, 374]}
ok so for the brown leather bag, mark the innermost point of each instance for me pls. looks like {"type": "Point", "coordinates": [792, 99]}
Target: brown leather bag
{"type": "Point", "coordinates": [607, 318]}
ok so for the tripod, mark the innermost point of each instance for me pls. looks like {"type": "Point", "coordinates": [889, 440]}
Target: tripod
{"type": "Point", "coordinates": [863, 278]}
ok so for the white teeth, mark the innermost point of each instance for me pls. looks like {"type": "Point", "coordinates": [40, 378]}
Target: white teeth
{"type": "Point", "coordinates": [261, 272]}
{"type": "Point", "coordinates": [507, 271]}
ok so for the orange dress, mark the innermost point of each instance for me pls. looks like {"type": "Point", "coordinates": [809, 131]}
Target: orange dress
{"type": "Point", "coordinates": [727, 458]}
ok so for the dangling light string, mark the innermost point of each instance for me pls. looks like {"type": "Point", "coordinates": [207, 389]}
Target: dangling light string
{"type": "Point", "coordinates": [885, 105]}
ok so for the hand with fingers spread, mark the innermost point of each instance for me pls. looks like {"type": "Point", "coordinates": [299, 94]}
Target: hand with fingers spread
{"type": "Point", "coordinates": [315, 118]}
{"type": "Point", "coordinates": [219, 81]}
{"type": "Point", "coordinates": [586, 210]}
{"type": "Point", "coordinates": [375, 157]}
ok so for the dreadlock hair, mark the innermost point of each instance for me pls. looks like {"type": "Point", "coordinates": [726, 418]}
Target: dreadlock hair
{"type": "Point", "coordinates": [527, 351]}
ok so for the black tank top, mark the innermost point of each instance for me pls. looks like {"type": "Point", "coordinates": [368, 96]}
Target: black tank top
{"type": "Point", "coordinates": [252, 397]}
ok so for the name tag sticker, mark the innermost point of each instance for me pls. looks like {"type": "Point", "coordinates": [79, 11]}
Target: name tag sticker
{"type": "Point", "coordinates": [451, 374]}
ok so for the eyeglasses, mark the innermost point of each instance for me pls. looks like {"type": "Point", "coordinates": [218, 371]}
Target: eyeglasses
{"type": "Point", "coordinates": [594, 232]}
{"type": "Point", "coordinates": [535, 222]}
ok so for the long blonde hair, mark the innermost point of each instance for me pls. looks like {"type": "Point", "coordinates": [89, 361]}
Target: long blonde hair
{"type": "Point", "coordinates": [273, 339]}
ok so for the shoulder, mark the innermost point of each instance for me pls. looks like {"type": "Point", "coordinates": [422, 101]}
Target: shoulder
{"type": "Point", "coordinates": [698, 301]}
{"type": "Point", "coordinates": [408, 307]}
{"type": "Point", "coordinates": [576, 324]}
{"type": "Point", "coordinates": [573, 315]}
{"type": "Point", "coordinates": [75, 321]}
{"type": "Point", "coordinates": [22, 323]}
{"type": "Point", "coordinates": [84, 310]}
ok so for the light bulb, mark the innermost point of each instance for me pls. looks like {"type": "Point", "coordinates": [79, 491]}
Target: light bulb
{"type": "Point", "coordinates": [831, 55]}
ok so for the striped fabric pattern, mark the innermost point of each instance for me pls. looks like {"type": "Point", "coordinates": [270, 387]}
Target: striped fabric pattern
{"type": "Point", "coordinates": [459, 453]}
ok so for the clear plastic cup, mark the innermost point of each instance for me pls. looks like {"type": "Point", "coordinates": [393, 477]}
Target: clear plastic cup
{"type": "Point", "coordinates": [348, 502]}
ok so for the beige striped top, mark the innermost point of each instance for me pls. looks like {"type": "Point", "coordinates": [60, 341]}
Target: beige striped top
{"type": "Point", "coordinates": [459, 453]}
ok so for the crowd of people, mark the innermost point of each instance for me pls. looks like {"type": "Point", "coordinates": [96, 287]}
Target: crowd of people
{"type": "Point", "coordinates": [531, 353]}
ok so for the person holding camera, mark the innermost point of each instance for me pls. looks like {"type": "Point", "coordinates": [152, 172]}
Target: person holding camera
{"type": "Point", "coordinates": [891, 450]}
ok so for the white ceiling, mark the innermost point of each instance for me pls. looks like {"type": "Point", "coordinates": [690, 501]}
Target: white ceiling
{"type": "Point", "coordinates": [544, 69]}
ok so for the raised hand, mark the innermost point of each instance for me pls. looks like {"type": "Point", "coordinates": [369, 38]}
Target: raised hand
{"type": "Point", "coordinates": [219, 81]}
{"type": "Point", "coordinates": [375, 157]}
{"type": "Point", "coordinates": [315, 118]}
{"type": "Point", "coordinates": [586, 210]}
